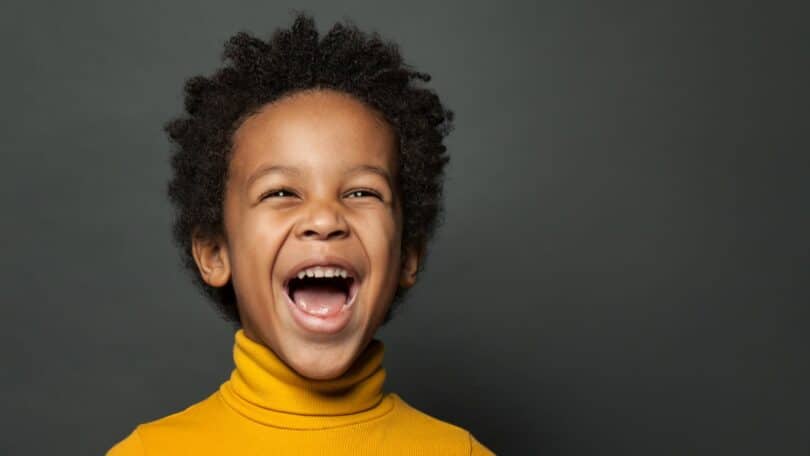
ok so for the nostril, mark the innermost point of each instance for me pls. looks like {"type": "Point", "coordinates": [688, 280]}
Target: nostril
{"type": "Point", "coordinates": [337, 234]}
{"type": "Point", "coordinates": [332, 234]}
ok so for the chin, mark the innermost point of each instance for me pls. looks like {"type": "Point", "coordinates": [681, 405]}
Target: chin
{"type": "Point", "coordinates": [317, 365]}
{"type": "Point", "coordinates": [323, 374]}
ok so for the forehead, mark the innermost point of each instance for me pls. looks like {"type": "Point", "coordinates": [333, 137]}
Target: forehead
{"type": "Point", "coordinates": [314, 130]}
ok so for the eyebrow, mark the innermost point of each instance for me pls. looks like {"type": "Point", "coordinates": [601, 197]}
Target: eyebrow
{"type": "Point", "coordinates": [267, 169]}
{"type": "Point", "coordinates": [264, 170]}
{"type": "Point", "coordinates": [372, 169]}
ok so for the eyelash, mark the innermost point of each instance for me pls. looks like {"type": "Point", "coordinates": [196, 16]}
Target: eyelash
{"type": "Point", "coordinates": [273, 192]}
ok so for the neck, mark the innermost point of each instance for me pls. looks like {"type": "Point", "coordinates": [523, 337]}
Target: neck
{"type": "Point", "coordinates": [262, 380]}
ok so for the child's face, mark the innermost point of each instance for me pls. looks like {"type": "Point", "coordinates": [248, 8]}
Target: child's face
{"type": "Point", "coordinates": [329, 146]}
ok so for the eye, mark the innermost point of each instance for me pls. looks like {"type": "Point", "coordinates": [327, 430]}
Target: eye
{"type": "Point", "coordinates": [280, 193]}
{"type": "Point", "coordinates": [361, 192]}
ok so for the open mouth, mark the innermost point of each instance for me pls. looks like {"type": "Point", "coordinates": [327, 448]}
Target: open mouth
{"type": "Point", "coordinates": [322, 291]}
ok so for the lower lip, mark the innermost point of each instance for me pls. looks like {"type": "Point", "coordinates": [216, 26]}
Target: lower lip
{"type": "Point", "coordinates": [324, 325]}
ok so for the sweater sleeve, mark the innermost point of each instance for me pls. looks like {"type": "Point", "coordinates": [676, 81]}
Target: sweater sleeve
{"type": "Point", "coordinates": [130, 446]}
{"type": "Point", "coordinates": [477, 449]}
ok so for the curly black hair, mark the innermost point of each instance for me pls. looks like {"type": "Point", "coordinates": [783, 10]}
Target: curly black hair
{"type": "Point", "coordinates": [258, 72]}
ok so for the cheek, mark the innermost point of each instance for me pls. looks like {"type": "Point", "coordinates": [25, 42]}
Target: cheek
{"type": "Point", "coordinates": [258, 237]}
{"type": "Point", "coordinates": [266, 232]}
{"type": "Point", "coordinates": [381, 235]}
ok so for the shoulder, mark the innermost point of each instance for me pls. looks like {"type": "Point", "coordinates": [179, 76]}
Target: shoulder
{"type": "Point", "coordinates": [202, 416]}
{"type": "Point", "coordinates": [423, 422]}
{"type": "Point", "coordinates": [436, 433]}
{"type": "Point", "coordinates": [130, 446]}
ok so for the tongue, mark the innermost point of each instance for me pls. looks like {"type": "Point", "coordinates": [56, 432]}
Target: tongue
{"type": "Point", "coordinates": [322, 300]}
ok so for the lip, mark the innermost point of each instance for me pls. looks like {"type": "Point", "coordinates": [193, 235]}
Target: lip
{"type": "Point", "coordinates": [325, 325]}
{"type": "Point", "coordinates": [314, 323]}
{"type": "Point", "coordinates": [324, 260]}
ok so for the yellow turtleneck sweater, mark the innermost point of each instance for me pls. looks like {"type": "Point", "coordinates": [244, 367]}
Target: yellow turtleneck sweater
{"type": "Point", "coordinates": [267, 408]}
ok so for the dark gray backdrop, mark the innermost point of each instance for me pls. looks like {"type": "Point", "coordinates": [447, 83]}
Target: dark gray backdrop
{"type": "Point", "coordinates": [623, 268]}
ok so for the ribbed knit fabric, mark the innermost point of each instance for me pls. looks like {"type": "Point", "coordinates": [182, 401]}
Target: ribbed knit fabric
{"type": "Point", "coordinates": [267, 408]}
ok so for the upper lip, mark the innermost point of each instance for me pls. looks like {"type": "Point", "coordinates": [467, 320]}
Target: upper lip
{"type": "Point", "coordinates": [323, 260]}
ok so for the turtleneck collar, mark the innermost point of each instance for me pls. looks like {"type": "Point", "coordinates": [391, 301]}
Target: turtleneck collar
{"type": "Point", "coordinates": [267, 390]}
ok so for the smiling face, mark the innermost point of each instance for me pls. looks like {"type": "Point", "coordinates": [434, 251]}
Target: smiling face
{"type": "Point", "coordinates": [312, 181]}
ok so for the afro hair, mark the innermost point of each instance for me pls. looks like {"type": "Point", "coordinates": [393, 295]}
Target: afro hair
{"type": "Point", "coordinates": [257, 72]}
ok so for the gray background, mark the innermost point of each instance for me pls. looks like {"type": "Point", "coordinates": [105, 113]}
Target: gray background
{"type": "Point", "coordinates": [623, 268]}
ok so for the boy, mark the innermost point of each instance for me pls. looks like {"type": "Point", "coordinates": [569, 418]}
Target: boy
{"type": "Point", "coordinates": [307, 181]}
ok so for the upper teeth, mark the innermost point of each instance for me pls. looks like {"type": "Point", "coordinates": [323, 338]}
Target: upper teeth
{"type": "Point", "coordinates": [319, 271]}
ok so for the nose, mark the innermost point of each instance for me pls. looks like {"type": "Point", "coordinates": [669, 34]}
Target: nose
{"type": "Point", "coordinates": [323, 221]}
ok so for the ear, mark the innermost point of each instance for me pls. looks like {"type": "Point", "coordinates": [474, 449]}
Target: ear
{"type": "Point", "coordinates": [410, 265]}
{"type": "Point", "coordinates": [211, 256]}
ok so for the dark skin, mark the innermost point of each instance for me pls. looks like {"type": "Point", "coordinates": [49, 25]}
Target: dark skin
{"type": "Point", "coordinates": [335, 193]}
